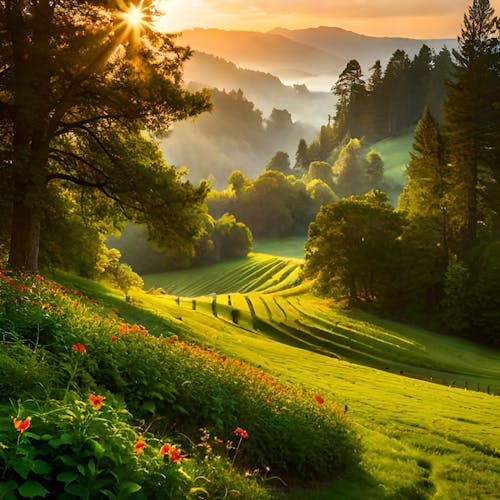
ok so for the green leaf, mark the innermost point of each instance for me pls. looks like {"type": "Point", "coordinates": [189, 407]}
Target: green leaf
{"type": "Point", "coordinates": [129, 487]}
{"type": "Point", "coordinates": [32, 489]}
{"type": "Point", "coordinates": [97, 448]}
{"type": "Point", "coordinates": [81, 469]}
{"type": "Point", "coordinates": [150, 406]}
{"type": "Point", "coordinates": [41, 467]}
{"type": "Point", "coordinates": [77, 490]}
{"type": "Point", "coordinates": [7, 490]}
{"type": "Point", "coordinates": [22, 466]}
{"type": "Point", "coordinates": [67, 476]}
{"type": "Point", "coordinates": [67, 460]}
{"type": "Point", "coordinates": [91, 466]}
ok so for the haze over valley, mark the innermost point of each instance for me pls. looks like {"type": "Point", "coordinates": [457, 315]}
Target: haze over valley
{"type": "Point", "coordinates": [281, 69]}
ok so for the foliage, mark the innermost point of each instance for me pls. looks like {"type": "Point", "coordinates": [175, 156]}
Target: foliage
{"type": "Point", "coordinates": [471, 119]}
{"type": "Point", "coordinates": [178, 385]}
{"type": "Point", "coordinates": [350, 246]}
{"type": "Point", "coordinates": [78, 86]}
{"type": "Point", "coordinates": [280, 162]}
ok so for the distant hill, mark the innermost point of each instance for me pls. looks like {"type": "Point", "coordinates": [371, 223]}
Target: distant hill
{"type": "Point", "coordinates": [269, 52]}
{"type": "Point", "coordinates": [344, 45]}
{"type": "Point", "coordinates": [302, 55]}
{"type": "Point", "coordinates": [264, 89]}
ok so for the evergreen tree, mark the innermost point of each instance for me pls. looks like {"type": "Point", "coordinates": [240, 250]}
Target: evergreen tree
{"type": "Point", "coordinates": [420, 74]}
{"type": "Point", "coordinates": [471, 114]}
{"type": "Point", "coordinates": [441, 72]}
{"type": "Point", "coordinates": [301, 158]}
{"type": "Point", "coordinates": [375, 106]}
{"type": "Point", "coordinates": [425, 194]}
{"type": "Point", "coordinates": [395, 91]}
{"type": "Point", "coordinates": [350, 90]}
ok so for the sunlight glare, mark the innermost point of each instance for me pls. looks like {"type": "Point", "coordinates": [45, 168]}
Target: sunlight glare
{"type": "Point", "coordinates": [134, 16]}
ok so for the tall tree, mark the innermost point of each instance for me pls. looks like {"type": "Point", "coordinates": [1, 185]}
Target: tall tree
{"type": "Point", "coordinates": [471, 113]}
{"type": "Point", "coordinates": [78, 79]}
{"type": "Point", "coordinates": [350, 90]}
{"type": "Point", "coordinates": [395, 92]}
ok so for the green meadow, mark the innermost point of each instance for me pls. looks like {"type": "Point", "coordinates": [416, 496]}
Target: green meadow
{"type": "Point", "coordinates": [426, 405]}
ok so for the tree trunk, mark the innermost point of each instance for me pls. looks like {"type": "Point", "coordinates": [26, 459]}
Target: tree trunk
{"type": "Point", "coordinates": [25, 232]}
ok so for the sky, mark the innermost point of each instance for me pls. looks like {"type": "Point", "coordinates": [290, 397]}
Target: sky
{"type": "Point", "coordinates": [392, 18]}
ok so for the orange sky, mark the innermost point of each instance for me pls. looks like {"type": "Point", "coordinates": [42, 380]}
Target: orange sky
{"type": "Point", "coordinates": [408, 18]}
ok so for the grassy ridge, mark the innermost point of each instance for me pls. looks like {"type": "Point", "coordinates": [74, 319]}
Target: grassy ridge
{"type": "Point", "coordinates": [260, 272]}
{"type": "Point", "coordinates": [421, 439]}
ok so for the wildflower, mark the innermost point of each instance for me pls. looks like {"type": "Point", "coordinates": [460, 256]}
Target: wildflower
{"type": "Point", "coordinates": [164, 449]}
{"type": "Point", "coordinates": [79, 347]}
{"type": "Point", "coordinates": [319, 399]}
{"type": "Point", "coordinates": [59, 310]}
{"type": "Point", "coordinates": [218, 440]}
{"type": "Point", "coordinates": [97, 401]}
{"type": "Point", "coordinates": [240, 432]}
{"type": "Point", "coordinates": [21, 425]}
{"type": "Point", "coordinates": [139, 447]}
{"type": "Point", "coordinates": [114, 338]}
{"type": "Point", "coordinates": [22, 287]}
{"type": "Point", "coordinates": [123, 328]}
{"type": "Point", "coordinates": [175, 454]}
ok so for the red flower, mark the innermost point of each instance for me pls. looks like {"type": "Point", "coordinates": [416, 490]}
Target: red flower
{"type": "Point", "coordinates": [139, 447]}
{"type": "Point", "coordinates": [114, 338]}
{"type": "Point", "coordinates": [173, 452]}
{"type": "Point", "coordinates": [240, 432]}
{"type": "Point", "coordinates": [21, 425]}
{"type": "Point", "coordinates": [97, 401]}
{"type": "Point", "coordinates": [319, 399]}
{"type": "Point", "coordinates": [78, 347]}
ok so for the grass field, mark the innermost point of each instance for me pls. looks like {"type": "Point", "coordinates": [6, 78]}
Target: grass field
{"type": "Point", "coordinates": [426, 429]}
{"type": "Point", "coordinates": [395, 153]}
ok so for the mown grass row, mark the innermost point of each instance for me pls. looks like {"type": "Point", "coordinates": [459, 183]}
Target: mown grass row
{"type": "Point", "coordinates": [260, 272]}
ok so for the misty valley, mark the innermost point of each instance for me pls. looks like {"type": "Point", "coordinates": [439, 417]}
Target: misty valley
{"type": "Point", "coordinates": [247, 264]}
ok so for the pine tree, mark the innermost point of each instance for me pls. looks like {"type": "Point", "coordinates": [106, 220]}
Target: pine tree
{"type": "Point", "coordinates": [425, 195]}
{"type": "Point", "coordinates": [471, 114]}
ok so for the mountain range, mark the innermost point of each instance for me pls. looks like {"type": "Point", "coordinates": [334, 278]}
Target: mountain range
{"type": "Point", "coordinates": [283, 69]}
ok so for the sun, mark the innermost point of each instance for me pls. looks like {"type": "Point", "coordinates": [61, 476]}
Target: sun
{"type": "Point", "coordinates": [134, 16]}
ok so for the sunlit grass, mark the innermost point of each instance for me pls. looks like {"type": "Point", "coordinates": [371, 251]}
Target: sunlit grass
{"type": "Point", "coordinates": [421, 439]}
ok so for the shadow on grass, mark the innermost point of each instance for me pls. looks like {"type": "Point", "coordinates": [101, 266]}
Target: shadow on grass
{"type": "Point", "coordinates": [357, 484]}
{"type": "Point", "coordinates": [155, 324]}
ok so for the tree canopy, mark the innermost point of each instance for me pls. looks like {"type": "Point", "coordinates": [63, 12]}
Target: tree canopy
{"type": "Point", "coordinates": [79, 86]}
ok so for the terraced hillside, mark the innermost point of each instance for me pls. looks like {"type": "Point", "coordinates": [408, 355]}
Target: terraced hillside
{"type": "Point", "coordinates": [258, 273]}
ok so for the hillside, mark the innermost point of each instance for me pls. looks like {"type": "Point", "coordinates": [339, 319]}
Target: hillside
{"type": "Point", "coordinates": [346, 45]}
{"type": "Point", "coordinates": [420, 438]}
{"type": "Point", "coordinates": [315, 56]}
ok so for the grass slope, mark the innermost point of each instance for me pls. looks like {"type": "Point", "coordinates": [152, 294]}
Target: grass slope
{"type": "Point", "coordinates": [421, 439]}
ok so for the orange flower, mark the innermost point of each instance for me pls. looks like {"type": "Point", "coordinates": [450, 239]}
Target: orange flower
{"type": "Point", "coordinates": [78, 347]}
{"type": "Point", "coordinates": [319, 399]}
{"type": "Point", "coordinates": [21, 425]}
{"type": "Point", "coordinates": [123, 328]}
{"type": "Point", "coordinates": [240, 432]}
{"type": "Point", "coordinates": [164, 449]}
{"type": "Point", "coordinates": [173, 452]}
{"type": "Point", "coordinates": [97, 401]}
{"type": "Point", "coordinates": [139, 447]}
